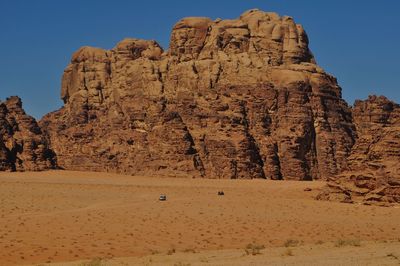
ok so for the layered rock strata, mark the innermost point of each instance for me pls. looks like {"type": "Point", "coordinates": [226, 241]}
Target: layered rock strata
{"type": "Point", "coordinates": [238, 98]}
{"type": "Point", "coordinates": [373, 174]}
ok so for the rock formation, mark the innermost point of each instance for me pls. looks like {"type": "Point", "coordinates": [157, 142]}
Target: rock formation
{"type": "Point", "coordinates": [22, 144]}
{"type": "Point", "coordinates": [373, 174]}
{"type": "Point", "coordinates": [239, 98]}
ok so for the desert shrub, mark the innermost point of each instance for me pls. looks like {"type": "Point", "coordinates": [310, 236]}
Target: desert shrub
{"type": "Point", "coordinates": [171, 251]}
{"type": "Point", "coordinates": [393, 256]}
{"type": "Point", "coordinates": [189, 250]}
{"type": "Point", "coordinates": [93, 262]}
{"type": "Point", "coordinates": [291, 243]}
{"type": "Point", "coordinates": [253, 249]}
{"type": "Point", "coordinates": [154, 252]}
{"type": "Point", "coordinates": [288, 252]}
{"type": "Point", "coordinates": [204, 259]}
{"type": "Point", "coordinates": [182, 264]}
{"type": "Point", "coordinates": [347, 242]}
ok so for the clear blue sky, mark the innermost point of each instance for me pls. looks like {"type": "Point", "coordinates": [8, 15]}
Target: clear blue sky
{"type": "Point", "coordinates": [356, 41]}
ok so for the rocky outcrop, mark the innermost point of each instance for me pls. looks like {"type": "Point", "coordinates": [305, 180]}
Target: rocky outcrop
{"type": "Point", "coordinates": [238, 98]}
{"type": "Point", "coordinates": [373, 174]}
{"type": "Point", "coordinates": [22, 144]}
{"type": "Point", "coordinates": [366, 187]}
{"type": "Point", "coordinates": [377, 121]}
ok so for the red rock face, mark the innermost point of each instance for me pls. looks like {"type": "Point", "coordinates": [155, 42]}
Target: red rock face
{"type": "Point", "coordinates": [22, 145]}
{"type": "Point", "coordinates": [378, 126]}
{"type": "Point", "coordinates": [239, 98]}
{"type": "Point", "coordinates": [373, 175]}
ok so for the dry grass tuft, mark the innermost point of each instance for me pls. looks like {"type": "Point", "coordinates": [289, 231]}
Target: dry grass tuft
{"type": "Point", "coordinates": [288, 252]}
{"type": "Point", "coordinates": [93, 262]}
{"type": "Point", "coordinates": [253, 249]}
{"type": "Point", "coordinates": [348, 242]}
{"type": "Point", "coordinates": [291, 243]}
{"type": "Point", "coordinates": [393, 256]}
{"type": "Point", "coordinates": [182, 264]}
{"type": "Point", "coordinates": [189, 250]}
{"type": "Point", "coordinates": [171, 251]}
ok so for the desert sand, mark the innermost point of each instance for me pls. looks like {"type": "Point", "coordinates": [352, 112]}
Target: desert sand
{"type": "Point", "coordinates": [68, 217]}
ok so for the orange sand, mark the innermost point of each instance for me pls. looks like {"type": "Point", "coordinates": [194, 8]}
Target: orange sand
{"type": "Point", "coordinates": [60, 216]}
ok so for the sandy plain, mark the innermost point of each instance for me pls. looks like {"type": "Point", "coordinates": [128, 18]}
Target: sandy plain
{"type": "Point", "coordinates": [71, 218]}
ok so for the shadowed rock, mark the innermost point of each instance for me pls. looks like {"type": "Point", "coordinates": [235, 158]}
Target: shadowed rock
{"type": "Point", "coordinates": [22, 144]}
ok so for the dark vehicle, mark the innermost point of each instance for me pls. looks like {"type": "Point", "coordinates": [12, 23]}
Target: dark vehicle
{"type": "Point", "coordinates": [162, 197]}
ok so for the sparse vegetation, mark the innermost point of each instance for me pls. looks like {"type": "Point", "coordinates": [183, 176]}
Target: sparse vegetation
{"type": "Point", "coordinates": [348, 242]}
{"type": "Point", "coordinates": [182, 264]}
{"type": "Point", "coordinates": [93, 262]}
{"type": "Point", "coordinates": [171, 251]}
{"type": "Point", "coordinates": [148, 262]}
{"type": "Point", "coordinates": [154, 252]}
{"type": "Point", "coordinates": [288, 252]}
{"type": "Point", "coordinates": [253, 249]}
{"type": "Point", "coordinates": [204, 259]}
{"type": "Point", "coordinates": [391, 255]}
{"type": "Point", "coordinates": [189, 250]}
{"type": "Point", "coordinates": [291, 243]}
{"type": "Point", "coordinates": [319, 242]}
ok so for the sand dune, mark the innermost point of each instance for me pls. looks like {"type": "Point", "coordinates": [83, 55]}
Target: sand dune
{"type": "Point", "coordinates": [66, 216]}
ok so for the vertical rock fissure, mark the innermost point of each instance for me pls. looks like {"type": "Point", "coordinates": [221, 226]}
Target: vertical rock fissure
{"type": "Point", "coordinates": [253, 148]}
{"type": "Point", "coordinates": [315, 169]}
{"type": "Point", "coordinates": [197, 161]}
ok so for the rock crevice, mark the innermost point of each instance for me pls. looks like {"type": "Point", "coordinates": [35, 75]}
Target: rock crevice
{"type": "Point", "coordinates": [373, 172]}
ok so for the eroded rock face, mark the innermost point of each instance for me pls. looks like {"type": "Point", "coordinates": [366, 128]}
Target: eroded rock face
{"type": "Point", "coordinates": [22, 145]}
{"type": "Point", "coordinates": [373, 174]}
{"type": "Point", "coordinates": [239, 98]}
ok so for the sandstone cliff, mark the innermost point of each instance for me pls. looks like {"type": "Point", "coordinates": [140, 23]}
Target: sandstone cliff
{"type": "Point", "coordinates": [238, 98]}
{"type": "Point", "coordinates": [373, 175]}
{"type": "Point", "coordinates": [22, 145]}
